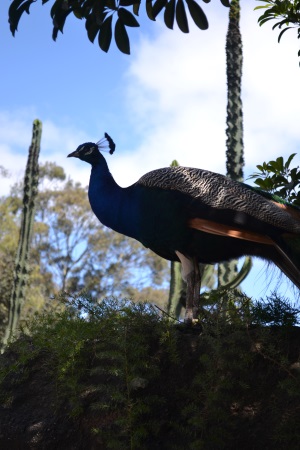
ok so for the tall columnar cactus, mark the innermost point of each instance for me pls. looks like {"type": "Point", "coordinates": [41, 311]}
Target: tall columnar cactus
{"type": "Point", "coordinates": [228, 272]}
{"type": "Point", "coordinates": [21, 272]}
{"type": "Point", "coordinates": [234, 64]}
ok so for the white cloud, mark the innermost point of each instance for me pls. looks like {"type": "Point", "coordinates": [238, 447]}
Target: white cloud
{"type": "Point", "coordinates": [57, 142]}
{"type": "Point", "coordinates": [177, 99]}
{"type": "Point", "coordinates": [177, 96]}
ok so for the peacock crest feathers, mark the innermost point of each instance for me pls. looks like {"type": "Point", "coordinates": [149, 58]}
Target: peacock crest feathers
{"type": "Point", "coordinates": [89, 151]}
{"type": "Point", "coordinates": [106, 144]}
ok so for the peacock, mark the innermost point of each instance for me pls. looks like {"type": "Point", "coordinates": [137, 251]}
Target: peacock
{"type": "Point", "coordinates": [194, 216]}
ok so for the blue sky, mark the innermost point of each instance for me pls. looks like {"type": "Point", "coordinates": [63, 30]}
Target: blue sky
{"type": "Point", "coordinates": [165, 101]}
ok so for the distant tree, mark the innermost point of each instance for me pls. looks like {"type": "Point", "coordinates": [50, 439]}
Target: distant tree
{"type": "Point", "coordinates": [71, 250]}
{"type": "Point", "coordinates": [8, 247]}
{"type": "Point", "coordinates": [81, 253]}
{"type": "Point", "coordinates": [10, 207]}
{"type": "Point", "coordinates": [103, 16]}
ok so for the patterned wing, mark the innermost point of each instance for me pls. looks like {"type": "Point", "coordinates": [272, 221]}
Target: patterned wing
{"type": "Point", "coordinates": [222, 194]}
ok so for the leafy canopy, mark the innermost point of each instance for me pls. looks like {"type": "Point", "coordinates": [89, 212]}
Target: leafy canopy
{"type": "Point", "coordinates": [286, 12]}
{"type": "Point", "coordinates": [278, 178]}
{"type": "Point", "coordinates": [102, 17]}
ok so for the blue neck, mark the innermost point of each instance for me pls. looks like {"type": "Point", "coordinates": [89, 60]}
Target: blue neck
{"type": "Point", "coordinates": [112, 204]}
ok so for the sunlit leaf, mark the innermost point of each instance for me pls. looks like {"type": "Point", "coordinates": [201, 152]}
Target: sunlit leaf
{"type": "Point", "coordinates": [261, 7]}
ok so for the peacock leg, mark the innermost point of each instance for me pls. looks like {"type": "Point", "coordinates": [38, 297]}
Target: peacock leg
{"type": "Point", "coordinates": [191, 274]}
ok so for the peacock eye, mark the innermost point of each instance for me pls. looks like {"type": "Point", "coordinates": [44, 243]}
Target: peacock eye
{"type": "Point", "coordinates": [88, 152]}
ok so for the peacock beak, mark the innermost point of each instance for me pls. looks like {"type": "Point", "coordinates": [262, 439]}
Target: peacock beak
{"type": "Point", "coordinates": [74, 154]}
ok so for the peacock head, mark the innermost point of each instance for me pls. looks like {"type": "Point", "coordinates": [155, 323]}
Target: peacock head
{"type": "Point", "coordinates": [90, 152]}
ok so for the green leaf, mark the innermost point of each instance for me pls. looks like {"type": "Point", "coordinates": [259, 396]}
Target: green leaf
{"type": "Point", "coordinates": [149, 10]}
{"type": "Point", "coordinates": [78, 13]}
{"type": "Point", "coordinates": [105, 35]}
{"type": "Point", "coordinates": [260, 182]}
{"type": "Point", "coordinates": [262, 21]}
{"type": "Point", "coordinates": [110, 4]}
{"type": "Point", "coordinates": [289, 160]}
{"type": "Point", "coordinates": [283, 31]}
{"type": "Point", "coordinates": [226, 3]}
{"type": "Point", "coordinates": [136, 8]}
{"type": "Point", "coordinates": [273, 165]}
{"type": "Point", "coordinates": [197, 14]}
{"type": "Point", "coordinates": [16, 12]}
{"type": "Point", "coordinates": [15, 4]}
{"type": "Point", "coordinates": [55, 33]}
{"type": "Point", "coordinates": [279, 162]}
{"type": "Point", "coordinates": [57, 5]}
{"type": "Point", "coordinates": [181, 17]}
{"type": "Point", "coordinates": [127, 2]}
{"type": "Point", "coordinates": [295, 175]}
{"type": "Point", "coordinates": [169, 14]}
{"type": "Point", "coordinates": [60, 19]}
{"type": "Point", "coordinates": [127, 18]}
{"type": "Point", "coordinates": [261, 7]}
{"type": "Point", "coordinates": [92, 28]}
{"type": "Point", "coordinates": [121, 37]}
{"type": "Point", "coordinates": [158, 6]}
